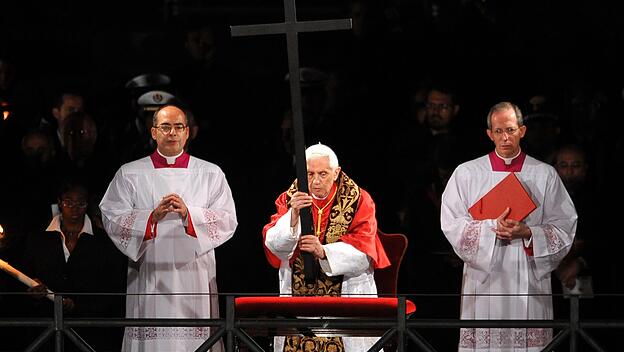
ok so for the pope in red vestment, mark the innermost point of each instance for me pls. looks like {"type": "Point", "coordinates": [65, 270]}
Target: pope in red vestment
{"type": "Point", "coordinates": [344, 244]}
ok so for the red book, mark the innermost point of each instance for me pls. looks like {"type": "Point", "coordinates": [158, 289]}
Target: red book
{"type": "Point", "coordinates": [507, 193]}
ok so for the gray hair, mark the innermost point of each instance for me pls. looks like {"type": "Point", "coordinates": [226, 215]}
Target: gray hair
{"type": "Point", "coordinates": [320, 150]}
{"type": "Point", "coordinates": [502, 106]}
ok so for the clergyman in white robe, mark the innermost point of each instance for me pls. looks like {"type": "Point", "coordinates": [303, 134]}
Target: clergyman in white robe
{"type": "Point", "coordinates": [519, 266]}
{"type": "Point", "coordinates": [179, 258]}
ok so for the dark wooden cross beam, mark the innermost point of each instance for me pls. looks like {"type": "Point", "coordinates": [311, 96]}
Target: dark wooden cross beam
{"type": "Point", "coordinates": [292, 28]}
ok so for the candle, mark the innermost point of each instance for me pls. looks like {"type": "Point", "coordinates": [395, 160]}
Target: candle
{"type": "Point", "coordinates": [23, 278]}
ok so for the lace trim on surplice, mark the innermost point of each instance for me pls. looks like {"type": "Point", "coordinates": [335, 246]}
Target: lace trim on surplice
{"type": "Point", "coordinates": [167, 333]}
{"type": "Point", "coordinates": [210, 219]}
{"type": "Point", "coordinates": [127, 223]}
{"type": "Point", "coordinates": [554, 244]}
{"type": "Point", "coordinates": [469, 242]}
{"type": "Point", "coordinates": [504, 338]}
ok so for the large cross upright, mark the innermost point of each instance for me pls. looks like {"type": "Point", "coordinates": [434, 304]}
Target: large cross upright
{"type": "Point", "coordinates": [292, 28]}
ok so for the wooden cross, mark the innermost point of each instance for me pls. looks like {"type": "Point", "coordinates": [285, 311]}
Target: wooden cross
{"type": "Point", "coordinates": [292, 28]}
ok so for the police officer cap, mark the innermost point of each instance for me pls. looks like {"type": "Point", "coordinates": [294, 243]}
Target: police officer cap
{"type": "Point", "coordinates": [154, 99]}
{"type": "Point", "coordinates": [540, 110]}
{"type": "Point", "coordinates": [148, 80]}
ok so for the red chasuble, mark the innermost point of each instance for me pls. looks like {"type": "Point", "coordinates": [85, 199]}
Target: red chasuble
{"type": "Point", "coordinates": [362, 233]}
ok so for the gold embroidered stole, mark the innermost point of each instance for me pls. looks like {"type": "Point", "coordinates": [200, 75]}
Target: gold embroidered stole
{"type": "Point", "coordinates": [313, 344]}
{"type": "Point", "coordinates": [340, 218]}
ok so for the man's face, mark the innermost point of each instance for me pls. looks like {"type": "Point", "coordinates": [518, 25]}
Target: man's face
{"type": "Point", "coordinates": [572, 169]}
{"type": "Point", "coordinates": [201, 45]}
{"type": "Point", "coordinates": [37, 150]}
{"type": "Point", "coordinates": [170, 143]}
{"type": "Point", "coordinates": [505, 133]}
{"type": "Point", "coordinates": [71, 103]}
{"type": "Point", "coordinates": [82, 139]}
{"type": "Point", "coordinates": [440, 111]}
{"type": "Point", "coordinates": [321, 176]}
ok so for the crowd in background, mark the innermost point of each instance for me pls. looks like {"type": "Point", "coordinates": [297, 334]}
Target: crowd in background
{"type": "Point", "coordinates": [402, 98]}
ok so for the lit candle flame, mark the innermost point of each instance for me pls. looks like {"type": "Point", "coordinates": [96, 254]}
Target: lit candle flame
{"type": "Point", "coordinates": [1, 232]}
{"type": "Point", "coordinates": [5, 109]}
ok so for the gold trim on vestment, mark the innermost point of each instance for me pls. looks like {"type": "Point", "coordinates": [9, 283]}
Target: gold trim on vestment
{"type": "Point", "coordinates": [313, 344]}
{"type": "Point", "coordinates": [340, 218]}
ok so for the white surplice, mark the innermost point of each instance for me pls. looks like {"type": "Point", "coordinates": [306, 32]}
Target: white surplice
{"type": "Point", "coordinates": [173, 262]}
{"type": "Point", "coordinates": [340, 259]}
{"type": "Point", "coordinates": [494, 267]}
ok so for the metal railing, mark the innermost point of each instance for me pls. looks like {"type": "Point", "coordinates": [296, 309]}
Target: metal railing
{"type": "Point", "coordinates": [237, 332]}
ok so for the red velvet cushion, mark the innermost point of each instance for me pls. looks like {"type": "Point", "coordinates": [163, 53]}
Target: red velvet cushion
{"type": "Point", "coordinates": [321, 306]}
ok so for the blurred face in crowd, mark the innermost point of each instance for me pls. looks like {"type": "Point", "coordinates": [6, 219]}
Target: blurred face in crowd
{"type": "Point", "coordinates": [505, 132]}
{"type": "Point", "coordinates": [200, 44]}
{"type": "Point", "coordinates": [170, 131]}
{"type": "Point", "coordinates": [71, 103]}
{"type": "Point", "coordinates": [37, 149]}
{"type": "Point", "coordinates": [572, 168]}
{"type": "Point", "coordinates": [321, 176]}
{"type": "Point", "coordinates": [418, 106]}
{"type": "Point", "coordinates": [440, 111]}
{"type": "Point", "coordinates": [81, 135]}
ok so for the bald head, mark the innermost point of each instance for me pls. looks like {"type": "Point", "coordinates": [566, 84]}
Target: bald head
{"type": "Point", "coordinates": [168, 111]}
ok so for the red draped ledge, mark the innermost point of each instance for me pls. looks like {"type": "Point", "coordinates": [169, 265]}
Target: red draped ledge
{"type": "Point", "coordinates": [321, 306]}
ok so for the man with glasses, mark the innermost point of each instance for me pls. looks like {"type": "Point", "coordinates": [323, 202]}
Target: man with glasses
{"type": "Point", "coordinates": [345, 245]}
{"type": "Point", "coordinates": [167, 212]}
{"type": "Point", "coordinates": [431, 153]}
{"type": "Point", "coordinates": [507, 263]}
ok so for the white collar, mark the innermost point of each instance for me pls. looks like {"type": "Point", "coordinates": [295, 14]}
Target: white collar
{"type": "Point", "coordinates": [170, 159]}
{"type": "Point", "coordinates": [55, 225]}
{"type": "Point", "coordinates": [319, 198]}
{"type": "Point", "coordinates": [508, 160]}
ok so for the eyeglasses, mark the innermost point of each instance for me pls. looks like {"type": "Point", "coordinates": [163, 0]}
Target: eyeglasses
{"type": "Point", "coordinates": [167, 128]}
{"type": "Point", "coordinates": [441, 107]}
{"type": "Point", "coordinates": [509, 131]}
{"type": "Point", "coordinates": [71, 204]}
